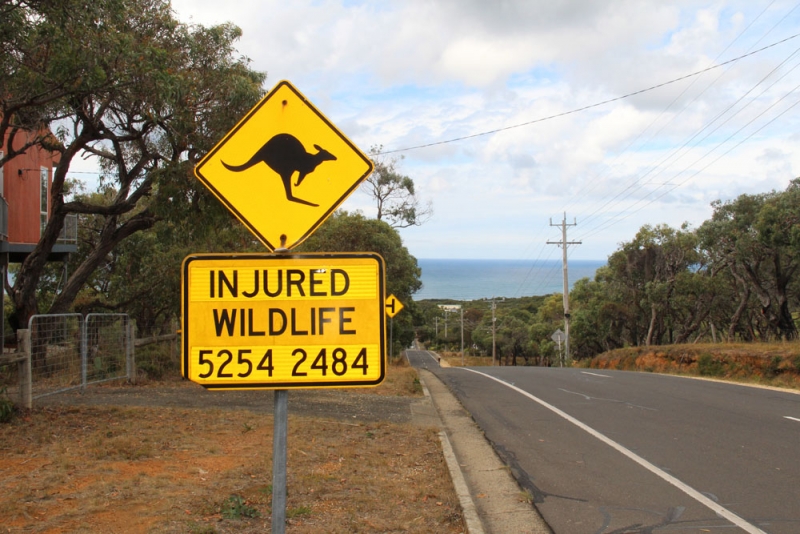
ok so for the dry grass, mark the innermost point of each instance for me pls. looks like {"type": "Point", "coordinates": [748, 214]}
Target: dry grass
{"type": "Point", "coordinates": [775, 364]}
{"type": "Point", "coordinates": [401, 379]}
{"type": "Point", "coordinates": [141, 470]}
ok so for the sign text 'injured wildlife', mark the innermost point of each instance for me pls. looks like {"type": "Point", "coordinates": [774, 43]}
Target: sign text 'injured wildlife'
{"type": "Point", "coordinates": [296, 321]}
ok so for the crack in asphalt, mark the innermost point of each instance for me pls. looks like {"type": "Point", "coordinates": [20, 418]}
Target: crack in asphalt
{"type": "Point", "coordinates": [588, 397]}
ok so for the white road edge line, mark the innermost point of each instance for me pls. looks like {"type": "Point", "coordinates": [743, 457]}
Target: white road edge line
{"type": "Point", "coordinates": [693, 493]}
{"type": "Point", "coordinates": [594, 374]}
{"type": "Point", "coordinates": [429, 353]}
{"type": "Point", "coordinates": [792, 418]}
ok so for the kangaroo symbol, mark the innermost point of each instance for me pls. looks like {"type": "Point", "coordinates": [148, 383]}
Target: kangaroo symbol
{"type": "Point", "coordinates": [285, 154]}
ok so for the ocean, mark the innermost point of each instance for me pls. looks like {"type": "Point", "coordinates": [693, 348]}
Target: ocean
{"type": "Point", "coordinates": [481, 279]}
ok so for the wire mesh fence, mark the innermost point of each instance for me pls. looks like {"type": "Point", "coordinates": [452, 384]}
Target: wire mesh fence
{"type": "Point", "coordinates": [108, 348]}
{"type": "Point", "coordinates": [58, 353]}
{"type": "Point", "coordinates": [10, 385]}
{"type": "Point", "coordinates": [55, 352]}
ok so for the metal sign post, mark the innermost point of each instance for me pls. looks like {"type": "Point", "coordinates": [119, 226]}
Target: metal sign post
{"type": "Point", "coordinates": [279, 433]}
{"type": "Point", "coordinates": [559, 336]}
{"type": "Point", "coordinates": [393, 307]}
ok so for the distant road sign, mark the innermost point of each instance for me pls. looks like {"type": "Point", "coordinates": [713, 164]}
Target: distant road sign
{"type": "Point", "coordinates": [262, 321]}
{"type": "Point", "coordinates": [393, 306]}
{"type": "Point", "coordinates": [558, 336]}
{"type": "Point", "coordinates": [284, 168]}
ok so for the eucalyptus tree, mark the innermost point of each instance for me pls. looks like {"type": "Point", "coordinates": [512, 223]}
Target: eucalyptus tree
{"type": "Point", "coordinates": [757, 238]}
{"type": "Point", "coordinates": [124, 82]}
{"type": "Point", "coordinates": [395, 195]}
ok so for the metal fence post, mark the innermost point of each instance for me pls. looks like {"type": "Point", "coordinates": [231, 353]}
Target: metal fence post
{"type": "Point", "coordinates": [24, 366]}
{"type": "Point", "coordinates": [84, 355]}
{"type": "Point", "coordinates": [130, 354]}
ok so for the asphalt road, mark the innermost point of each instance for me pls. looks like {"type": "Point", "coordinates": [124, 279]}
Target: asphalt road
{"type": "Point", "coordinates": [622, 452]}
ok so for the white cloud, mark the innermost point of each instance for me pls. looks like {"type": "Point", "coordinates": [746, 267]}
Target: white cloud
{"type": "Point", "coordinates": [410, 73]}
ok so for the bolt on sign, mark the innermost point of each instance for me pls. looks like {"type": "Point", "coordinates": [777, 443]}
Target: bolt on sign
{"type": "Point", "coordinates": [260, 321]}
{"type": "Point", "coordinates": [283, 169]}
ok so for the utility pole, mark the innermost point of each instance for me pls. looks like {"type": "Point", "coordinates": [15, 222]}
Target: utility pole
{"type": "Point", "coordinates": [563, 244]}
{"type": "Point", "coordinates": [494, 321]}
{"type": "Point", "coordinates": [462, 335]}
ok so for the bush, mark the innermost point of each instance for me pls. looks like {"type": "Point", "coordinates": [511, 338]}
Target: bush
{"type": "Point", "coordinates": [7, 407]}
{"type": "Point", "coordinates": [237, 508]}
{"type": "Point", "coordinates": [708, 366]}
{"type": "Point", "coordinates": [158, 361]}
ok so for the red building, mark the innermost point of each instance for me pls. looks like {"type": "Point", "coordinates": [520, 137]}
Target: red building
{"type": "Point", "coordinates": [25, 205]}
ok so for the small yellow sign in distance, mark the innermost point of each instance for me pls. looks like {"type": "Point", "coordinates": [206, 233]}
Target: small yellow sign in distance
{"type": "Point", "coordinates": [261, 321]}
{"type": "Point", "coordinates": [393, 306]}
{"type": "Point", "coordinates": [283, 169]}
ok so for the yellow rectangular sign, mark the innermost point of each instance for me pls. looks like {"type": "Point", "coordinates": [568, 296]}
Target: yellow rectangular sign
{"type": "Point", "coordinates": [265, 321]}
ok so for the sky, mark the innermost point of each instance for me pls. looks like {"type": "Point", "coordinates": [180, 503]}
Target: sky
{"type": "Point", "coordinates": [405, 74]}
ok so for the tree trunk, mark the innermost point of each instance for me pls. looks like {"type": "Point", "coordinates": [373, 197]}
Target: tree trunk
{"type": "Point", "coordinates": [741, 308]}
{"type": "Point", "coordinates": [651, 329]}
{"type": "Point", "coordinates": [23, 294]}
{"type": "Point", "coordinates": [110, 237]}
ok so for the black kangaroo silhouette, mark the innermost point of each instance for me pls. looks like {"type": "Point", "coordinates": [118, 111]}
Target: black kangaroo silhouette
{"type": "Point", "coordinates": [285, 154]}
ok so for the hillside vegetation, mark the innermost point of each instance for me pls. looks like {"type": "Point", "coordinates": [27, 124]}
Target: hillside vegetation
{"type": "Point", "coordinates": [700, 292]}
{"type": "Point", "coordinates": [775, 364]}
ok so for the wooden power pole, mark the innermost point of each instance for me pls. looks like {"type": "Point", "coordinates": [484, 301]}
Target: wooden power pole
{"type": "Point", "coordinates": [563, 244]}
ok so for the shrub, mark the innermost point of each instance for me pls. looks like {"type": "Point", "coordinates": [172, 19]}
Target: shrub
{"type": "Point", "coordinates": [236, 508]}
{"type": "Point", "coordinates": [7, 407]}
{"type": "Point", "coordinates": [708, 366]}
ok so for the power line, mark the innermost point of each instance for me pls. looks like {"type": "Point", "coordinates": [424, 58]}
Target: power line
{"type": "Point", "coordinates": [590, 106]}
{"type": "Point", "coordinates": [635, 185]}
{"type": "Point", "coordinates": [675, 186]}
{"type": "Point", "coordinates": [597, 182]}
{"type": "Point", "coordinates": [635, 181]}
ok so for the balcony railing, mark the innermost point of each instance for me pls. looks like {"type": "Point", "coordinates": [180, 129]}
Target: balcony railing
{"type": "Point", "coordinates": [69, 232]}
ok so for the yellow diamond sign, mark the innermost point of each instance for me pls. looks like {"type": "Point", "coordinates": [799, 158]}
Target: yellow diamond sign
{"type": "Point", "coordinates": [392, 306]}
{"type": "Point", "coordinates": [283, 169]}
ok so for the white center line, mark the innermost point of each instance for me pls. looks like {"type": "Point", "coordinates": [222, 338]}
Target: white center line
{"type": "Point", "coordinates": [594, 374]}
{"type": "Point", "coordinates": [792, 418]}
{"type": "Point", "coordinates": [696, 495]}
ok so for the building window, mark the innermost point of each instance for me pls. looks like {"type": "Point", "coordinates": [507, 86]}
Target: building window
{"type": "Point", "coordinates": [44, 190]}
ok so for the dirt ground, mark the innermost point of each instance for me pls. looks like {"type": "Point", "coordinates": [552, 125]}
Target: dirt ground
{"type": "Point", "coordinates": [169, 458]}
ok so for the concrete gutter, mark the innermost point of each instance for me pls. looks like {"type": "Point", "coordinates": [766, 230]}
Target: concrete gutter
{"type": "Point", "coordinates": [491, 500]}
{"type": "Point", "coordinates": [470, 513]}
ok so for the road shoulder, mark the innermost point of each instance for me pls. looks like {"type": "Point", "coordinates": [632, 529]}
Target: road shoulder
{"type": "Point", "coordinates": [498, 500]}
